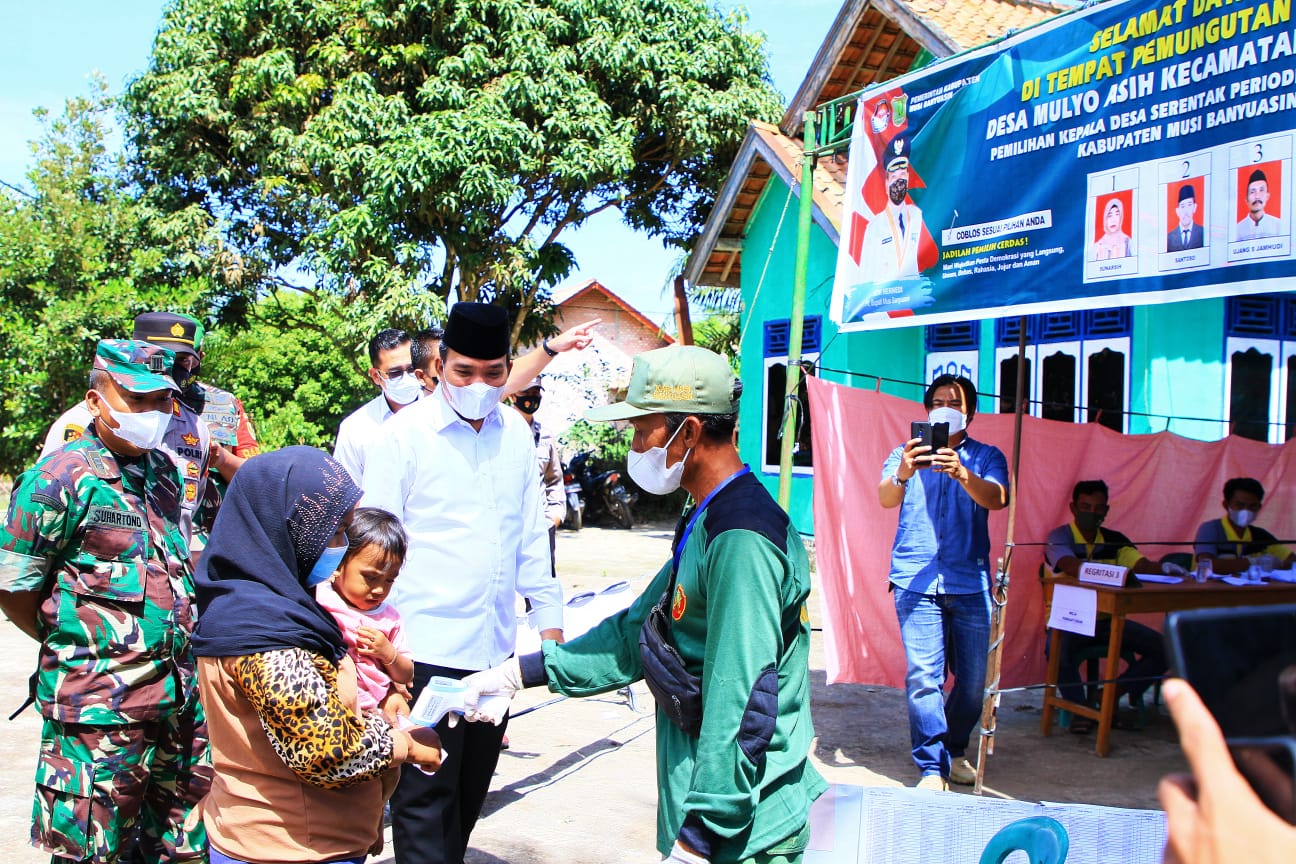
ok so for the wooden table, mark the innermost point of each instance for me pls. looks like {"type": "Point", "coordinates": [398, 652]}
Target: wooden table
{"type": "Point", "coordinates": [1150, 597]}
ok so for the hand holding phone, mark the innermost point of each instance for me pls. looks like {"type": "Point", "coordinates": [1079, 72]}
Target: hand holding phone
{"type": "Point", "coordinates": [1241, 662]}
{"type": "Point", "coordinates": [933, 435]}
{"type": "Point", "coordinates": [1211, 815]}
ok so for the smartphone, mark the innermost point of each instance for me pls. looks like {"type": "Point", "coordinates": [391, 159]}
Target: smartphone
{"type": "Point", "coordinates": [1242, 663]}
{"type": "Point", "coordinates": [936, 435]}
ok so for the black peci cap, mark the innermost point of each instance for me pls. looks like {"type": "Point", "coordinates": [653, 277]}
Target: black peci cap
{"type": "Point", "coordinates": [478, 330]}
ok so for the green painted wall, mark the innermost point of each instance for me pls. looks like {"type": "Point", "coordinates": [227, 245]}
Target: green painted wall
{"type": "Point", "coordinates": [1176, 364]}
{"type": "Point", "coordinates": [1177, 368]}
{"type": "Point", "coordinates": [769, 255]}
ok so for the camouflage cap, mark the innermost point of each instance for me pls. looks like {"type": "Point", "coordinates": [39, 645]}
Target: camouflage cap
{"type": "Point", "coordinates": [680, 378]}
{"type": "Point", "coordinates": [139, 367]}
{"type": "Point", "coordinates": [181, 333]}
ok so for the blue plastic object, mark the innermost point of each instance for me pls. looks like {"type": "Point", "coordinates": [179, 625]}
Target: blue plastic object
{"type": "Point", "coordinates": [1042, 838]}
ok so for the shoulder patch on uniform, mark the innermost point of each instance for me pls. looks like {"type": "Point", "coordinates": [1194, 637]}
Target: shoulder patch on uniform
{"type": "Point", "coordinates": [98, 464]}
{"type": "Point", "coordinates": [72, 432]}
{"type": "Point", "coordinates": [51, 501]}
{"type": "Point", "coordinates": [679, 603]}
{"type": "Point", "coordinates": [112, 517]}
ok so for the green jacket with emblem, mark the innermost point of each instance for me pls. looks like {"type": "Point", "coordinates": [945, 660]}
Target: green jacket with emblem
{"type": "Point", "coordinates": [100, 538]}
{"type": "Point", "coordinates": [743, 786]}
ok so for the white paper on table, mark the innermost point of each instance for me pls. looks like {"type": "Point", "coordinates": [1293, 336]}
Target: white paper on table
{"type": "Point", "coordinates": [1074, 609]}
{"type": "Point", "coordinates": [1282, 575]}
{"type": "Point", "coordinates": [1159, 579]}
{"type": "Point", "coordinates": [1238, 580]}
{"type": "Point", "coordinates": [1103, 574]}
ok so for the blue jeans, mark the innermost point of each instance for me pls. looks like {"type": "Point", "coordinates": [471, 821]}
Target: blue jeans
{"type": "Point", "coordinates": [936, 628]}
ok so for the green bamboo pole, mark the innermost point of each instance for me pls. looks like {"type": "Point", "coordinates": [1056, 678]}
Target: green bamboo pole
{"type": "Point", "coordinates": [798, 313]}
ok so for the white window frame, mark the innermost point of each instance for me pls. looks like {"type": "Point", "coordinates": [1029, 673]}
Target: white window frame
{"type": "Point", "coordinates": [1275, 348]}
{"type": "Point", "coordinates": [1081, 350]}
{"type": "Point", "coordinates": [1120, 345]}
{"type": "Point", "coordinates": [1007, 353]}
{"type": "Point", "coordinates": [966, 360]}
{"type": "Point", "coordinates": [1045, 350]}
{"type": "Point", "coordinates": [1288, 351]}
{"type": "Point", "coordinates": [781, 360]}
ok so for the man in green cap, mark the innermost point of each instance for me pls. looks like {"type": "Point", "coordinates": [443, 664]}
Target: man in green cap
{"type": "Point", "coordinates": [189, 441]}
{"type": "Point", "coordinates": [94, 565]}
{"type": "Point", "coordinates": [733, 718]}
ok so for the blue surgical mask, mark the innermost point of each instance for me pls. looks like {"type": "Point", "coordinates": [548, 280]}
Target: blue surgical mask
{"type": "Point", "coordinates": [325, 566]}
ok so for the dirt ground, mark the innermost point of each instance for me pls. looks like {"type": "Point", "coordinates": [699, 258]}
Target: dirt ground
{"type": "Point", "coordinates": [578, 782]}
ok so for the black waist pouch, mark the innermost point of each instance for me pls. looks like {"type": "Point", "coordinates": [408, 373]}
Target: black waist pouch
{"type": "Point", "coordinates": [677, 691]}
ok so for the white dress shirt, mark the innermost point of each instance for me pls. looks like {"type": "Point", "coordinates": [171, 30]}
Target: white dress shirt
{"type": "Point", "coordinates": [357, 430]}
{"type": "Point", "coordinates": [1268, 226]}
{"type": "Point", "coordinates": [472, 506]}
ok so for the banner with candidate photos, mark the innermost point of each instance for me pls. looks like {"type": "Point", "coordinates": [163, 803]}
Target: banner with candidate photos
{"type": "Point", "coordinates": [1129, 153]}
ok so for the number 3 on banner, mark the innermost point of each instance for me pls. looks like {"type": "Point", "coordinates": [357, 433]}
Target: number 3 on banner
{"type": "Point", "coordinates": [1259, 154]}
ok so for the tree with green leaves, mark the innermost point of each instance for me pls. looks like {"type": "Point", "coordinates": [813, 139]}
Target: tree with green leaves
{"type": "Point", "coordinates": [80, 256]}
{"type": "Point", "coordinates": [292, 379]}
{"type": "Point", "coordinates": [434, 146]}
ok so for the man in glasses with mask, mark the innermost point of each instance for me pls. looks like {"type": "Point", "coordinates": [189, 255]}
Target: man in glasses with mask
{"type": "Point", "coordinates": [940, 577]}
{"type": "Point", "coordinates": [459, 470]}
{"type": "Point", "coordinates": [1232, 542]}
{"type": "Point", "coordinates": [95, 565]}
{"type": "Point", "coordinates": [1085, 539]}
{"type": "Point", "coordinates": [391, 369]}
{"type": "Point", "coordinates": [721, 635]}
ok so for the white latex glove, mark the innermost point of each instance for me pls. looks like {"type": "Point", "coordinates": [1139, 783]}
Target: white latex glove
{"type": "Point", "coordinates": [1170, 568]}
{"type": "Point", "coordinates": [680, 855]}
{"type": "Point", "coordinates": [487, 694]}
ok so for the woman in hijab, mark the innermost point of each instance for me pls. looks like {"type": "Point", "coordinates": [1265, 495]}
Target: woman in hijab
{"type": "Point", "coordinates": [297, 766]}
{"type": "Point", "coordinates": [1114, 243]}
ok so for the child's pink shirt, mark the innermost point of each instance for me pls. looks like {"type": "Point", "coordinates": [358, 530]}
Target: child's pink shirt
{"type": "Point", "coordinates": [373, 678]}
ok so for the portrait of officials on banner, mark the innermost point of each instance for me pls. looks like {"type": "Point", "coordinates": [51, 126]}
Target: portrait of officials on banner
{"type": "Point", "coordinates": [1259, 201]}
{"type": "Point", "coordinates": [1112, 233]}
{"type": "Point", "coordinates": [1185, 204]}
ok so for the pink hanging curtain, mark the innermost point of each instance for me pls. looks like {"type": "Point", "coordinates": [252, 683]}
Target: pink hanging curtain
{"type": "Point", "coordinates": [1162, 487]}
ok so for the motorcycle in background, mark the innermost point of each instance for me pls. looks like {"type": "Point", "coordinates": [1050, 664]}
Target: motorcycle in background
{"type": "Point", "coordinates": [601, 492]}
{"type": "Point", "coordinates": [575, 503]}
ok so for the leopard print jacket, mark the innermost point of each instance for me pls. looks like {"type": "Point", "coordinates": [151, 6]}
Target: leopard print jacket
{"type": "Point", "coordinates": [324, 742]}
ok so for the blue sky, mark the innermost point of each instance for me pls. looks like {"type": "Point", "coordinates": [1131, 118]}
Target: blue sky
{"type": "Point", "coordinates": [51, 49]}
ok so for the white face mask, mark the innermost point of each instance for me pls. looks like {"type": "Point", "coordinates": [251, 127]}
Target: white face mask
{"type": "Point", "coordinates": [403, 390]}
{"type": "Point", "coordinates": [649, 471]}
{"type": "Point", "coordinates": [957, 422]}
{"type": "Point", "coordinates": [474, 401]}
{"type": "Point", "coordinates": [144, 430]}
{"type": "Point", "coordinates": [1241, 517]}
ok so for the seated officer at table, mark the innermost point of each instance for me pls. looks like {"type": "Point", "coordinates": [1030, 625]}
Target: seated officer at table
{"type": "Point", "coordinates": [1069, 546]}
{"type": "Point", "coordinates": [1230, 542]}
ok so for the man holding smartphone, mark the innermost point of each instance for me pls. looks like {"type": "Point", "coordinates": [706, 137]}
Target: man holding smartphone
{"type": "Point", "coordinates": [940, 575]}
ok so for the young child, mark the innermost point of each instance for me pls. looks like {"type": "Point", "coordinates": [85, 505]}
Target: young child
{"type": "Point", "coordinates": [356, 597]}
{"type": "Point", "coordinates": [371, 628]}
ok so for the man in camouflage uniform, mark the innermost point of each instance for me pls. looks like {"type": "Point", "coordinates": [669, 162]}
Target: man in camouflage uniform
{"type": "Point", "coordinates": [94, 563]}
{"type": "Point", "coordinates": [189, 438]}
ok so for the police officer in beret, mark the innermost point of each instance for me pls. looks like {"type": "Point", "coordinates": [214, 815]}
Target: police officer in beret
{"type": "Point", "coordinates": [95, 565]}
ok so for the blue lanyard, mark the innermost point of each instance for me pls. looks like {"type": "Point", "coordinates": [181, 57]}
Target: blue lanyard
{"type": "Point", "coordinates": [697, 511]}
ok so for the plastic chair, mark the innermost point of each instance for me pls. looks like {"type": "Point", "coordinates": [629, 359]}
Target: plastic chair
{"type": "Point", "coordinates": [1042, 838]}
